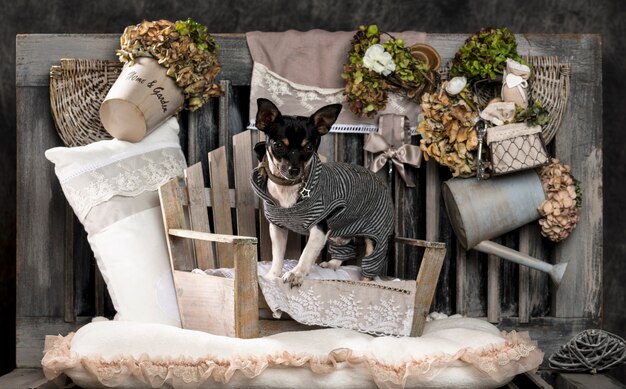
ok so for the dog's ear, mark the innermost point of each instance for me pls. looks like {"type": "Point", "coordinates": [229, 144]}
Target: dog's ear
{"type": "Point", "coordinates": [325, 117]}
{"type": "Point", "coordinates": [266, 114]}
{"type": "Point", "coordinates": [259, 149]}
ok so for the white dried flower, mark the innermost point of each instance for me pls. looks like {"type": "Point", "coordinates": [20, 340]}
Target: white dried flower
{"type": "Point", "coordinates": [378, 60]}
{"type": "Point", "coordinates": [456, 85]}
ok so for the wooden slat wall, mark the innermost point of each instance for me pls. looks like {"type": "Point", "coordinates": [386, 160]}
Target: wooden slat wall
{"type": "Point", "coordinates": [470, 283]}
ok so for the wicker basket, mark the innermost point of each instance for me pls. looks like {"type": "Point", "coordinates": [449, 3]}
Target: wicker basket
{"type": "Point", "coordinates": [549, 85]}
{"type": "Point", "coordinates": [77, 89]}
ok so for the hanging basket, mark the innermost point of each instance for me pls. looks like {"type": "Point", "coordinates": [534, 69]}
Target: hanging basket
{"type": "Point", "coordinates": [77, 89]}
{"type": "Point", "coordinates": [550, 84]}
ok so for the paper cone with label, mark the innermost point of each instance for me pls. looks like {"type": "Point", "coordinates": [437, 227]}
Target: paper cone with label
{"type": "Point", "coordinates": [142, 98]}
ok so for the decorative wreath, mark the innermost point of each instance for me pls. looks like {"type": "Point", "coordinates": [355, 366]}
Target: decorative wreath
{"type": "Point", "coordinates": [376, 68]}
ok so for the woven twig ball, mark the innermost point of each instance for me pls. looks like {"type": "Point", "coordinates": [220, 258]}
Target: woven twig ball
{"type": "Point", "coordinates": [590, 351]}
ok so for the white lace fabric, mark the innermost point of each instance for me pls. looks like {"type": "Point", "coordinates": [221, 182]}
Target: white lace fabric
{"type": "Point", "coordinates": [362, 306]}
{"type": "Point", "coordinates": [124, 177]}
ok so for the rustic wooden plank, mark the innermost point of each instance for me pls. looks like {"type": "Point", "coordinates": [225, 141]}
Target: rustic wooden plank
{"type": "Point", "coordinates": [471, 291]}
{"type": "Point", "coordinates": [245, 198]}
{"type": "Point", "coordinates": [445, 296]}
{"type": "Point", "coordinates": [421, 243]}
{"type": "Point", "coordinates": [326, 150]}
{"type": "Point", "coordinates": [68, 282]}
{"type": "Point", "coordinates": [198, 216]}
{"type": "Point", "coordinates": [36, 53]}
{"type": "Point", "coordinates": [530, 379]}
{"type": "Point", "coordinates": [180, 250]}
{"type": "Point", "coordinates": [31, 332]}
{"type": "Point", "coordinates": [206, 236]}
{"type": "Point", "coordinates": [587, 381]}
{"type": "Point", "coordinates": [26, 378]}
{"type": "Point", "coordinates": [579, 143]}
{"type": "Point", "coordinates": [400, 206]}
{"type": "Point", "coordinates": [294, 245]}
{"type": "Point", "coordinates": [222, 219]}
{"type": "Point", "coordinates": [461, 269]}
{"type": "Point", "coordinates": [265, 242]}
{"type": "Point", "coordinates": [427, 279]}
{"type": "Point", "coordinates": [224, 124]}
{"type": "Point", "coordinates": [206, 303]}
{"type": "Point", "coordinates": [534, 286]}
{"type": "Point", "coordinates": [100, 292]}
{"type": "Point", "coordinates": [433, 198]}
{"type": "Point", "coordinates": [509, 276]}
{"type": "Point", "coordinates": [246, 291]}
{"type": "Point", "coordinates": [202, 133]}
{"type": "Point", "coordinates": [265, 245]}
{"type": "Point", "coordinates": [40, 211]}
{"type": "Point", "coordinates": [272, 326]}
{"type": "Point", "coordinates": [493, 289]}
{"type": "Point", "coordinates": [85, 269]}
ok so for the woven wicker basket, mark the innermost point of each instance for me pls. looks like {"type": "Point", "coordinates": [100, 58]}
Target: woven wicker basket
{"type": "Point", "coordinates": [549, 85]}
{"type": "Point", "coordinates": [77, 88]}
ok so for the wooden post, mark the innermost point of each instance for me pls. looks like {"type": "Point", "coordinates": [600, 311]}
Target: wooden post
{"type": "Point", "coordinates": [246, 291]}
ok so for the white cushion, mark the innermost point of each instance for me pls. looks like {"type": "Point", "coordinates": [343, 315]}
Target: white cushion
{"type": "Point", "coordinates": [452, 353]}
{"type": "Point", "coordinates": [112, 187]}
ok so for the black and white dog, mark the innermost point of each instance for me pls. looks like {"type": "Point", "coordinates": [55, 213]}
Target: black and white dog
{"type": "Point", "coordinates": [334, 202]}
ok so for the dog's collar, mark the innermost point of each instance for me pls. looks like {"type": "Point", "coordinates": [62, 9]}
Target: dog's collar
{"type": "Point", "coordinates": [303, 179]}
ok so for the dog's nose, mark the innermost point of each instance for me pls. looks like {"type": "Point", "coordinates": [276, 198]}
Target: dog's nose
{"type": "Point", "coordinates": [294, 171]}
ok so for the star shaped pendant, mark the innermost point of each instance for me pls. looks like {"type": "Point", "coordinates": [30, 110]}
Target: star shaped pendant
{"type": "Point", "coordinates": [305, 193]}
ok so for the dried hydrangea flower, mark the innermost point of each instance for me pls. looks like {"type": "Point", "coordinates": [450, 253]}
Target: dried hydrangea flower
{"type": "Point", "coordinates": [184, 48]}
{"type": "Point", "coordinates": [561, 210]}
{"type": "Point", "coordinates": [448, 133]}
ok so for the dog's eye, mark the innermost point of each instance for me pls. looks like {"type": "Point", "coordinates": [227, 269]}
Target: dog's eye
{"type": "Point", "coordinates": [308, 147]}
{"type": "Point", "coordinates": [279, 146]}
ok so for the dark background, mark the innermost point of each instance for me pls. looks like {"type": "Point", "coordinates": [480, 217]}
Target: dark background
{"type": "Point", "coordinates": [237, 16]}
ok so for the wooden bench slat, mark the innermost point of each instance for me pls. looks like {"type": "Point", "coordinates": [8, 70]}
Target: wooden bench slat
{"type": "Point", "coordinates": [245, 199]}
{"type": "Point", "coordinates": [222, 219]}
{"type": "Point", "coordinates": [206, 236]}
{"type": "Point", "coordinates": [198, 215]}
{"type": "Point", "coordinates": [180, 250]}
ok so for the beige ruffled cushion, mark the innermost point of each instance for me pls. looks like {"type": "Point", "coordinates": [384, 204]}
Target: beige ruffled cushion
{"type": "Point", "coordinates": [452, 353]}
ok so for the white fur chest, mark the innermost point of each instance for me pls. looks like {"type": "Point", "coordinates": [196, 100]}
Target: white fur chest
{"type": "Point", "coordinates": [286, 196]}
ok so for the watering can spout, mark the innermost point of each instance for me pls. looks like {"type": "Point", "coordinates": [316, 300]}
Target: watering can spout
{"type": "Point", "coordinates": [556, 272]}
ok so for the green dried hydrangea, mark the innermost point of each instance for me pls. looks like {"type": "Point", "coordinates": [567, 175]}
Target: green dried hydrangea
{"type": "Point", "coordinates": [185, 48]}
{"type": "Point", "coordinates": [484, 54]}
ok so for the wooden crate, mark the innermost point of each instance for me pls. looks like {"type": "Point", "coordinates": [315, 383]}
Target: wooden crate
{"type": "Point", "coordinates": [225, 306]}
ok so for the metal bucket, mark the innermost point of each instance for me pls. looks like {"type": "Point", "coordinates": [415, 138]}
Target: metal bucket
{"type": "Point", "coordinates": [141, 99]}
{"type": "Point", "coordinates": [483, 210]}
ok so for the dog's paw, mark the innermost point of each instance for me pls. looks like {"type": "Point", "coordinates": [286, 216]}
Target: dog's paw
{"type": "Point", "coordinates": [294, 278]}
{"type": "Point", "coordinates": [333, 264]}
{"type": "Point", "coordinates": [272, 274]}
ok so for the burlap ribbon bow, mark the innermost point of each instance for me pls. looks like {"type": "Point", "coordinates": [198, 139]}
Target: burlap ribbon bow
{"type": "Point", "coordinates": [393, 132]}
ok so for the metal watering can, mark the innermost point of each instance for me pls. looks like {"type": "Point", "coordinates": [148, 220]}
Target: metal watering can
{"type": "Point", "coordinates": [483, 210]}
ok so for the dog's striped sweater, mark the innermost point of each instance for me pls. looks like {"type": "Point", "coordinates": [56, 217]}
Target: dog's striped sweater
{"type": "Point", "coordinates": [352, 201]}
